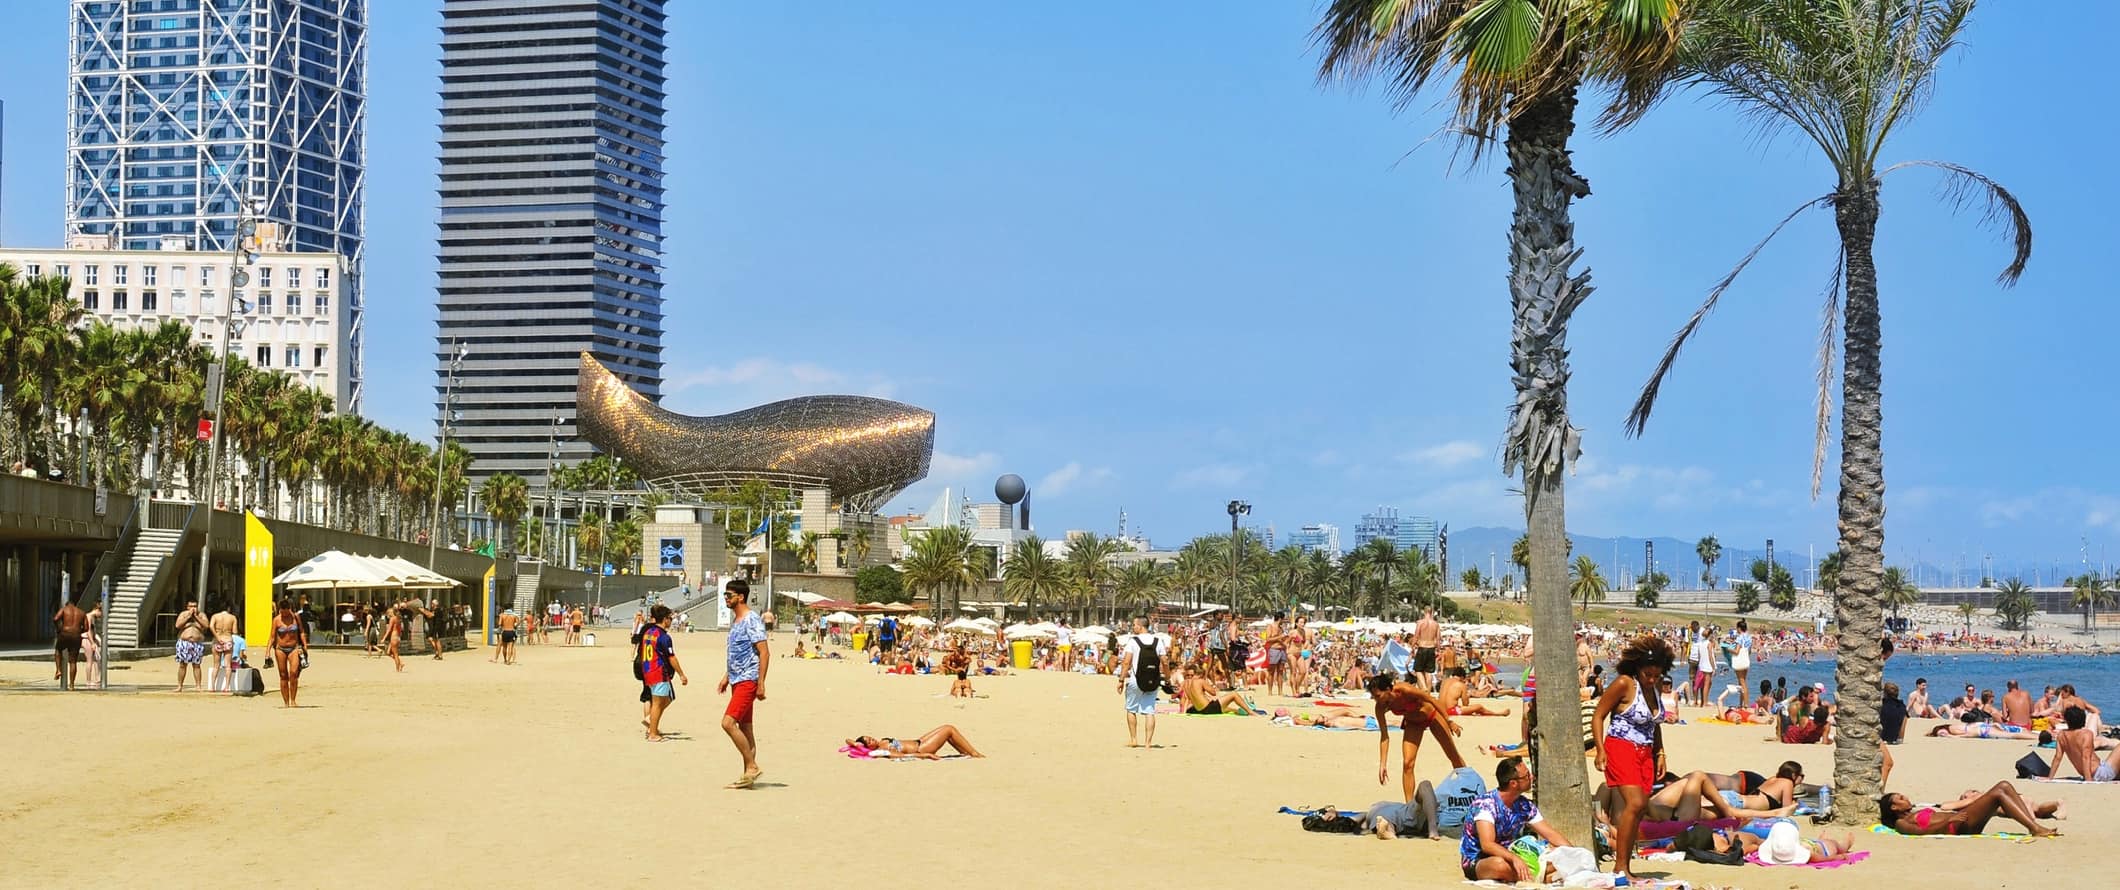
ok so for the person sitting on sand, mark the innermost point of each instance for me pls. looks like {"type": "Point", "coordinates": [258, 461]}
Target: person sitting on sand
{"type": "Point", "coordinates": [800, 650]}
{"type": "Point", "coordinates": [1686, 799]}
{"type": "Point", "coordinates": [1456, 698]}
{"type": "Point", "coordinates": [1816, 731]}
{"type": "Point", "coordinates": [1983, 730]}
{"type": "Point", "coordinates": [2068, 698]}
{"type": "Point", "coordinates": [1966, 816]}
{"type": "Point", "coordinates": [2077, 747]}
{"type": "Point", "coordinates": [926, 747]}
{"type": "Point", "coordinates": [1199, 696]}
{"type": "Point", "coordinates": [1918, 701]}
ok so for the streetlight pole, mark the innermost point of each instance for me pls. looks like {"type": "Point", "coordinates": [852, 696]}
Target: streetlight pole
{"type": "Point", "coordinates": [434, 531]}
{"type": "Point", "coordinates": [1236, 542]}
{"type": "Point", "coordinates": [241, 256]}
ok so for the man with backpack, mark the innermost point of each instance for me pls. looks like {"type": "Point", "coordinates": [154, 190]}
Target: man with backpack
{"type": "Point", "coordinates": [1141, 679]}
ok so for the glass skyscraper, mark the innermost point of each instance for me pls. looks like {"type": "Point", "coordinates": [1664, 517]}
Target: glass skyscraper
{"type": "Point", "coordinates": [551, 216]}
{"type": "Point", "coordinates": [182, 112]}
{"type": "Point", "coordinates": [1404, 533]}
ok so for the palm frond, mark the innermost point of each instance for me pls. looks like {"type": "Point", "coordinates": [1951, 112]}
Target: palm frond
{"type": "Point", "coordinates": [2000, 210]}
{"type": "Point", "coordinates": [1638, 418]}
{"type": "Point", "coordinates": [1828, 337]}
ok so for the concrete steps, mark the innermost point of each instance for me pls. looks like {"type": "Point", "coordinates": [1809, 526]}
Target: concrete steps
{"type": "Point", "coordinates": [129, 586]}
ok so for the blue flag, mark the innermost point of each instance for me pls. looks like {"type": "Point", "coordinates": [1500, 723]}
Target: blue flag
{"type": "Point", "coordinates": [763, 526]}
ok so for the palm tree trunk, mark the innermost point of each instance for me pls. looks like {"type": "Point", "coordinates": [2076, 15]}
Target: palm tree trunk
{"type": "Point", "coordinates": [1543, 292]}
{"type": "Point", "coordinates": [1857, 762]}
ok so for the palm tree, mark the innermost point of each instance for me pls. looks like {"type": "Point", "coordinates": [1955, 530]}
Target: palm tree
{"type": "Point", "coordinates": [1848, 74]}
{"type": "Point", "coordinates": [1420, 580]}
{"type": "Point", "coordinates": [1031, 575]}
{"type": "Point", "coordinates": [1965, 612]}
{"type": "Point", "coordinates": [1588, 585]}
{"type": "Point", "coordinates": [859, 542]}
{"type": "Point", "coordinates": [1139, 585]}
{"type": "Point", "coordinates": [1829, 573]}
{"type": "Point", "coordinates": [1518, 65]}
{"type": "Point", "coordinates": [1520, 556]}
{"type": "Point", "coordinates": [1747, 596]}
{"type": "Point", "coordinates": [939, 560]}
{"type": "Point", "coordinates": [806, 550]}
{"type": "Point", "coordinates": [2014, 603]}
{"type": "Point", "coordinates": [1710, 552]}
{"type": "Point", "coordinates": [590, 537]}
{"type": "Point", "coordinates": [1896, 591]}
{"type": "Point", "coordinates": [1650, 590]}
{"type": "Point", "coordinates": [507, 497]}
{"type": "Point", "coordinates": [1380, 557]}
{"type": "Point", "coordinates": [1088, 559]}
{"type": "Point", "coordinates": [2090, 593]}
{"type": "Point", "coordinates": [1471, 580]}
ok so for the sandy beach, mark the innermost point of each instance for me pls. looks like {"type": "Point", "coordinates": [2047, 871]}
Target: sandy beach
{"type": "Point", "coordinates": [472, 774]}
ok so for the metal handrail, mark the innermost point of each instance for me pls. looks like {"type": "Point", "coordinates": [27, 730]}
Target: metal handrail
{"type": "Point", "coordinates": [114, 557]}
{"type": "Point", "coordinates": [162, 566]}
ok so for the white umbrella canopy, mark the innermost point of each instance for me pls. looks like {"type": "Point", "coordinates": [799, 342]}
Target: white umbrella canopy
{"type": "Point", "coordinates": [1028, 632]}
{"type": "Point", "coordinates": [1263, 622]}
{"type": "Point", "coordinates": [1092, 633]}
{"type": "Point", "coordinates": [334, 569]}
{"type": "Point", "coordinates": [986, 622]}
{"type": "Point", "coordinates": [840, 618]}
{"type": "Point", "coordinates": [804, 597]}
{"type": "Point", "coordinates": [1094, 629]}
{"type": "Point", "coordinates": [414, 575]}
{"type": "Point", "coordinates": [918, 621]}
{"type": "Point", "coordinates": [966, 625]}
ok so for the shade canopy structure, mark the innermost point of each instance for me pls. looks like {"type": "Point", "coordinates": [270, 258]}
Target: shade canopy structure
{"type": "Point", "coordinates": [840, 618]}
{"type": "Point", "coordinates": [963, 625]}
{"type": "Point", "coordinates": [805, 597]}
{"type": "Point", "coordinates": [1027, 632]}
{"type": "Point", "coordinates": [415, 576]}
{"type": "Point", "coordinates": [1094, 629]}
{"type": "Point", "coordinates": [918, 621]}
{"type": "Point", "coordinates": [335, 569]}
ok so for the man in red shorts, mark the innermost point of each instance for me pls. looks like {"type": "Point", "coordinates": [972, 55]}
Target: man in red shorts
{"type": "Point", "coordinates": [746, 679]}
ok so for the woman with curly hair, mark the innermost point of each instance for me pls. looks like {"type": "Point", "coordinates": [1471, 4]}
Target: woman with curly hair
{"type": "Point", "coordinates": [1631, 753]}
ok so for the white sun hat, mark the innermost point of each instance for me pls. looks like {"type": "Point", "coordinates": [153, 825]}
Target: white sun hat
{"type": "Point", "coordinates": [1784, 846]}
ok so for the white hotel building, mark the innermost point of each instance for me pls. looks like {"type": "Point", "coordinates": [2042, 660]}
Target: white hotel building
{"type": "Point", "coordinates": [296, 323]}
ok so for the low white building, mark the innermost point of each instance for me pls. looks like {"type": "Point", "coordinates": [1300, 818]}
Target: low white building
{"type": "Point", "coordinates": [296, 321]}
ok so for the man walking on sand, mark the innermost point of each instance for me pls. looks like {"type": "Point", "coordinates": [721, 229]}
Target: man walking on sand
{"type": "Point", "coordinates": [69, 624]}
{"type": "Point", "coordinates": [506, 650]}
{"type": "Point", "coordinates": [746, 678]}
{"type": "Point", "coordinates": [433, 616]}
{"type": "Point", "coordinates": [1140, 679]}
{"type": "Point", "coordinates": [1427, 637]}
{"type": "Point", "coordinates": [223, 676]}
{"type": "Point", "coordinates": [191, 645]}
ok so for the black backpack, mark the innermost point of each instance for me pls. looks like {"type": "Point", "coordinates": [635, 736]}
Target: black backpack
{"type": "Point", "coordinates": [1148, 668]}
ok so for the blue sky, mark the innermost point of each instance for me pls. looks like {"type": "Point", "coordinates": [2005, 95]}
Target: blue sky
{"type": "Point", "coordinates": [1145, 261]}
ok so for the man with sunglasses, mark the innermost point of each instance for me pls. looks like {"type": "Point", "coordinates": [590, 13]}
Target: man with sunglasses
{"type": "Point", "coordinates": [746, 677]}
{"type": "Point", "coordinates": [1496, 820]}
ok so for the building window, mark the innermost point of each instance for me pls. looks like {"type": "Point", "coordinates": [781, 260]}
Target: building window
{"type": "Point", "coordinates": [147, 301]}
{"type": "Point", "coordinates": [177, 302]}
{"type": "Point", "coordinates": [323, 277]}
{"type": "Point", "coordinates": [323, 305]}
{"type": "Point", "coordinates": [89, 274]}
{"type": "Point", "coordinates": [117, 274]}
{"type": "Point", "coordinates": [147, 276]}
{"type": "Point", "coordinates": [264, 356]}
{"type": "Point", "coordinates": [264, 304]}
{"type": "Point", "coordinates": [34, 270]}
{"type": "Point", "coordinates": [294, 277]}
{"type": "Point", "coordinates": [294, 304]}
{"type": "Point", "coordinates": [117, 301]}
{"type": "Point", "coordinates": [206, 302]}
{"type": "Point", "coordinates": [176, 275]}
{"type": "Point", "coordinates": [321, 352]}
{"type": "Point", "coordinates": [294, 356]}
{"type": "Point", "coordinates": [205, 276]}
{"type": "Point", "coordinates": [90, 300]}
{"type": "Point", "coordinates": [63, 271]}
{"type": "Point", "coordinates": [264, 276]}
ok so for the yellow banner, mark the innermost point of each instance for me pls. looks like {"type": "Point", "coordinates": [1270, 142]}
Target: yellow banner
{"type": "Point", "coordinates": [485, 605]}
{"type": "Point", "coordinates": [257, 581]}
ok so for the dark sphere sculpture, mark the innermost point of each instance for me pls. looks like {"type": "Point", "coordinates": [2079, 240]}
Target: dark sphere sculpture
{"type": "Point", "coordinates": [1010, 489]}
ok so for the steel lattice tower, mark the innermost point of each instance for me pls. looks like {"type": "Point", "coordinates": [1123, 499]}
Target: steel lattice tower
{"type": "Point", "coordinates": [181, 111]}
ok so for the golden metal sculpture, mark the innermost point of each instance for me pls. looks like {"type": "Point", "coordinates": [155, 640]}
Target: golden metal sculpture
{"type": "Point", "coordinates": [862, 450]}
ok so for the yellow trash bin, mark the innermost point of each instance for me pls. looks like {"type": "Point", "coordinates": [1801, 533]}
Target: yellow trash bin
{"type": "Point", "coordinates": [860, 641]}
{"type": "Point", "coordinates": [1020, 652]}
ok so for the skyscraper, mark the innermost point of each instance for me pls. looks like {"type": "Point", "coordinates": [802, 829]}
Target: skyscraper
{"type": "Point", "coordinates": [1405, 533]}
{"type": "Point", "coordinates": [1323, 537]}
{"type": "Point", "coordinates": [182, 114]}
{"type": "Point", "coordinates": [551, 216]}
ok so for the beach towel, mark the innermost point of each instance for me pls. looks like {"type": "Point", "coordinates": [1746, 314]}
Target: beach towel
{"type": "Point", "coordinates": [1292, 811]}
{"type": "Point", "coordinates": [1998, 835]}
{"type": "Point", "coordinates": [2071, 780]}
{"type": "Point", "coordinates": [1718, 721]}
{"type": "Point", "coordinates": [1853, 858]}
{"type": "Point", "coordinates": [856, 752]}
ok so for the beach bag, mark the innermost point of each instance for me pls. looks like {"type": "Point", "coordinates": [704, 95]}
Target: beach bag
{"type": "Point", "coordinates": [2031, 766]}
{"type": "Point", "coordinates": [1148, 668]}
{"type": "Point", "coordinates": [248, 682]}
{"type": "Point", "coordinates": [1340, 824]}
{"type": "Point", "coordinates": [1566, 862]}
{"type": "Point", "coordinates": [1454, 798]}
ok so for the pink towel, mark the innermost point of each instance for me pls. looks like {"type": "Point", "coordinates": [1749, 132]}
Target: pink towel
{"type": "Point", "coordinates": [1853, 858]}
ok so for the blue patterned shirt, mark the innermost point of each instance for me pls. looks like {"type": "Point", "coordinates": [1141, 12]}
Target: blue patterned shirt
{"type": "Point", "coordinates": [743, 651]}
{"type": "Point", "coordinates": [1509, 823]}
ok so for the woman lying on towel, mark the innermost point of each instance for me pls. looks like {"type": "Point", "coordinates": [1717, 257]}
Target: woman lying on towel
{"type": "Point", "coordinates": [1781, 845]}
{"type": "Point", "coordinates": [1983, 731]}
{"type": "Point", "coordinates": [1337, 721]}
{"type": "Point", "coordinates": [926, 747]}
{"type": "Point", "coordinates": [1754, 791]}
{"type": "Point", "coordinates": [1967, 815]}
{"type": "Point", "coordinates": [1692, 799]}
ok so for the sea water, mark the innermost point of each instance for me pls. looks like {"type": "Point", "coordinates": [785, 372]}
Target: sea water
{"type": "Point", "coordinates": [2097, 677]}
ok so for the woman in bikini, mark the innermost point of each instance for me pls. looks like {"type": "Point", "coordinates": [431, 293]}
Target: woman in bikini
{"type": "Point", "coordinates": [1965, 816]}
{"type": "Point", "coordinates": [1418, 712]}
{"type": "Point", "coordinates": [290, 644]}
{"type": "Point", "coordinates": [926, 747]}
{"type": "Point", "coordinates": [1749, 790]}
{"type": "Point", "coordinates": [393, 633]}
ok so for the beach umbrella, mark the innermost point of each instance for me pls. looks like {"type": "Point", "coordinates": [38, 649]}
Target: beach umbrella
{"type": "Point", "coordinates": [840, 618]}
{"type": "Point", "coordinates": [333, 569]}
{"type": "Point", "coordinates": [965, 625]}
{"type": "Point", "coordinates": [1263, 622]}
{"type": "Point", "coordinates": [918, 621]}
{"type": "Point", "coordinates": [1094, 629]}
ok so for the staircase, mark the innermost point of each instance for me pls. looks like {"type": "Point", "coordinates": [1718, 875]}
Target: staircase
{"type": "Point", "coordinates": [526, 577]}
{"type": "Point", "coordinates": [130, 586]}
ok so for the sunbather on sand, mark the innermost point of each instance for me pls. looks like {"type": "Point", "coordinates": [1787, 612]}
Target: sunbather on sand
{"type": "Point", "coordinates": [1788, 847]}
{"type": "Point", "coordinates": [1754, 791]}
{"type": "Point", "coordinates": [1685, 799]}
{"type": "Point", "coordinates": [926, 747]}
{"type": "Point", "coordinates": [1969, 815]}
{"type": "Point", "coordinates": [1335, 721]}
{"type": "Point", "coordinates": [1456, 697]}
{"type": "Point", "coordinates": [1201, 697]}
{"type": "Point", "coordinates": [1983, 731]}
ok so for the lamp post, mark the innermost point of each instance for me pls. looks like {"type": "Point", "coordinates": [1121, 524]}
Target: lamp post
{"type": "Point", "coordinates": [242, 254]}
{"type": "Point", "coordinates": [441, 451]}
{"type": "Point", "coordinates": [1236, 509]}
